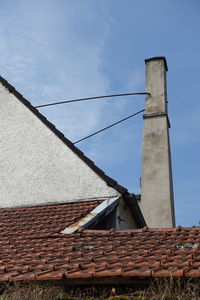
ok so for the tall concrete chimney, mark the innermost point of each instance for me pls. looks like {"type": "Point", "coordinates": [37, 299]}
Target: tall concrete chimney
{"type": "Point", "coordinates": [157, 201]}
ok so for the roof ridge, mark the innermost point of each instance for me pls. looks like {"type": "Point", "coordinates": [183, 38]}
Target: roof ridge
{"type": "Point", "coordinates": [110, 181]}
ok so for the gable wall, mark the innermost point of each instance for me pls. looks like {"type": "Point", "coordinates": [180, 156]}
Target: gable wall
{"type": "Point", "coordinates": [124, 218]}
{"type": "Point", "coordinates": [36, 167]}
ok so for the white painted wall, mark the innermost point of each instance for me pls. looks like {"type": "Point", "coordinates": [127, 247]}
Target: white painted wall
{"type": "Point", "coordinates": [36, 167]}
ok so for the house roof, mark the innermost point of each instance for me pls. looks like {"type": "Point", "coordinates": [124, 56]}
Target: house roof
{"type": "Point", "coordinates": [33, 248]}
{"type": "Point", "coordinates": [130, 199]}
{"type": "Point", "coordinates": [110, 182]}
{"type": "Point", "coordinates": [43, 220]}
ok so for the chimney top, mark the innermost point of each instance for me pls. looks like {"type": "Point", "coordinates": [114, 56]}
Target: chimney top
{"type": "Point", "coordinates": [157, 58]}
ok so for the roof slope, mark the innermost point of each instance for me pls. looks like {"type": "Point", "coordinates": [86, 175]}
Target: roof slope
{"type": "Point", "coordinates": [42, 221]}
{"type": "Point", "coordinates": [110, 182]}
{"type": "Point", "coordinates": [45, 254]}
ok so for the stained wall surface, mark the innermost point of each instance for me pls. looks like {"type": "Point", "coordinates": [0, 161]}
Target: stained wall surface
{"type": "Point", "coordinates": [157, 201]}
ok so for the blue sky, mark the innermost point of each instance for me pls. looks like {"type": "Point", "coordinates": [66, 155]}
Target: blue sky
{"type": "Point", "coordinates": [54, 50]}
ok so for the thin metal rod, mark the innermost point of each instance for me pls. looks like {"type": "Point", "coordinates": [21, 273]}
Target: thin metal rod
{"type": "Point", "coordinates": [90, 98]}
{"type": "Point", "coordinates": [105, 128]}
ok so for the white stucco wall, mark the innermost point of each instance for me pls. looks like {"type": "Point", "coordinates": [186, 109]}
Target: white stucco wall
{"type": "Point", "coordinates": [36, 167]}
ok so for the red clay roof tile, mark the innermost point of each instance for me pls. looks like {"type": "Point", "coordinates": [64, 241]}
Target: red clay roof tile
{"type": "Point", "coordinates": [32, 247]}
{"type": "Point", "coordinates": [41, 221]}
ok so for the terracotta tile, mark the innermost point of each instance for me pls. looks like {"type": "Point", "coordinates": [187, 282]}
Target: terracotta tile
{"type": "Point", "coordinates": [126, 258]}
{"type": "Point", "coordinates": [195, 264]}
{"type": "Point", "coordinates": [107, 272]}
{"type": "Point", "coordinates": [148, 264]}
{"type": "Point", "coordinates": [2, 269]}
{"type": "Point", "coordinates": [175, 264]}
{"type": "Point", "coordinates": [167, 272]}
{"type": "Point", "coordinates": [23, 276]}
{"type": "Point", "coordinates": [4, 277]}
{"type": "Point", "coordinates": [32, 245]}
{"type": "Point", "coordinates": [101, 264]}
{"type": "Point", "coordinates": [102, 258]}
{"type": "Point", "coordinates": [43, 216]}
{"type": "Point", "coordinates": [117, 264]}
{"type": "Point", "coordinates": [18, 268]}
{"type": "Point", "coordinates": [143, 271]}
{"type": "Point", "coordinates": [52, 275]}
{"type": "Point", "coordinates": [79, 274]}
{"type": "Point", "coordinates": [192, 272]}
{"type": "Point", "coordinates": [159, 272]}
{"type": "Point", "coordinates": [176, 271]}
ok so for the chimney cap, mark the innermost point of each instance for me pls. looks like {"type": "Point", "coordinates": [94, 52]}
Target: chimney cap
{"type": "Point", "coordinates": [157, 58]}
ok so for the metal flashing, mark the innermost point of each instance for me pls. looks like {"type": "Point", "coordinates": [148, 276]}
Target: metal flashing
{"type": "Point", "coordinates": [105, 207]}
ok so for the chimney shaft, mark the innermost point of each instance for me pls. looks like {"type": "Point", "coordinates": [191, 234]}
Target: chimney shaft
{"type": "Point", "coordinates": [157, 202]}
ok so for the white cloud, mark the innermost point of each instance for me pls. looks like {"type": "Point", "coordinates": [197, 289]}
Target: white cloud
{"type": "Point", "coordinates": [52, 51]}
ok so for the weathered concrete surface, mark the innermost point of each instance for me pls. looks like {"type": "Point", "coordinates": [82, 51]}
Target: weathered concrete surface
{"type": "Point", "coordinates": [124, 218]}
{"type": "Point", "coordinates": [36, 167]}
{"type": "Point", "coordinates": [157, 202]}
